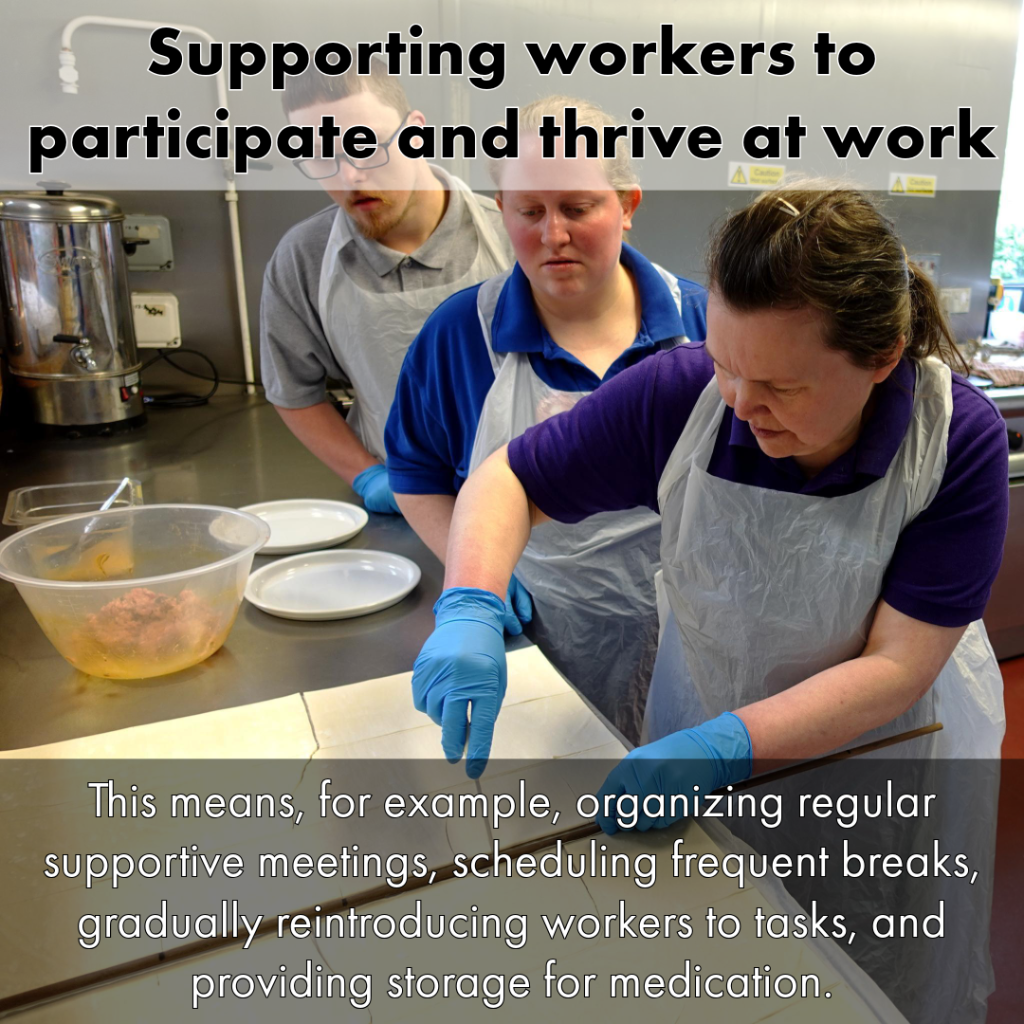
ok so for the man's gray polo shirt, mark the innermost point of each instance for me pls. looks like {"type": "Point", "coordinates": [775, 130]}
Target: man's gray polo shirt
{"type": "Point", "coordinates": [295, 358]}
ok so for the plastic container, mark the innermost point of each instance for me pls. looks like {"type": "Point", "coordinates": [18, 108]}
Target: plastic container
{"type": "Point", "coordinates": [29, 506]}
{"type": "Point", "coordinates": [147, 591]}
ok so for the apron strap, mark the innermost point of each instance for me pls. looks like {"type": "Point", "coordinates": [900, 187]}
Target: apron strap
{"type": "Point", "coordinates": [339, 237]}
{"type": "Point", "coordinates": [486, 303]}
{"type": "Point", "coordinates": [925, 447]}
{"type": "Point", "coordinates": [484, 229]}
{"type": "Point", "coordinates": [672, 283]}
{"type": "Point", "coordinates": [706, 418]}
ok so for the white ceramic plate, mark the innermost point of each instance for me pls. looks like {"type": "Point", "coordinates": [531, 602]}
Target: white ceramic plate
{"type": "Point", "coordinates": [332, 584]}
{"type": "Point", "coordinates": [307, 524]}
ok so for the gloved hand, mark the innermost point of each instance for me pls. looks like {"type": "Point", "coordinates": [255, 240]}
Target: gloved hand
{"type": "Point", "coordinates": [518, 607]}
{"type": "Point", "coordinates": [462, 667]}
{"type": "Point", "coordinates": [715, 754]}
{"type": "Point", "coordinates": [372, 486]}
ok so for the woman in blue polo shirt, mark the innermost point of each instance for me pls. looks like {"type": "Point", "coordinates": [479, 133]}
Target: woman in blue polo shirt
{"type": "Point", "coordinates": [578, 308]}
{"type": "Point", "coordinates": [834, 503]}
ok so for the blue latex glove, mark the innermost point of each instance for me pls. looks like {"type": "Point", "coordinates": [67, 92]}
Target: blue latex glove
{"type": "Point", "coordinates": [518, 607]}
{"type": "Point", "coordinates": [715, 754]}
{"type": "Point", "coordinates": [462, 667]}
{"type": "Point", "coordinates": [372, 486]}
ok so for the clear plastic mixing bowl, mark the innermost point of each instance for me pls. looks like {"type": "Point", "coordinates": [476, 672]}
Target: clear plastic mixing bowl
{"type": "Point", "coordinates": [136, 592]}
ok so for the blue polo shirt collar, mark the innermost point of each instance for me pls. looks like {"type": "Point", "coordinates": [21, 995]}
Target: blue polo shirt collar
{"type": "Point", "coordinates": [517, 327]}
{"type": "Point", "coordinates": [874, 450]}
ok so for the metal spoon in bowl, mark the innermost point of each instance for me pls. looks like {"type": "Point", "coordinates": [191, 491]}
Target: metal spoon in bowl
{"type": "Point", "coordinates": [69, 556]}
{"type": "Point", "coordinates": [109, 503]}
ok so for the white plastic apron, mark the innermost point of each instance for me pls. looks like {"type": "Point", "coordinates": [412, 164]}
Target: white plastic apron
{"type": "Point", "coordinates": [592, 583]}
{"type": "Point", "coordinates": [767, 588]}
{"type": "Point", "coordinates": [369, 332]}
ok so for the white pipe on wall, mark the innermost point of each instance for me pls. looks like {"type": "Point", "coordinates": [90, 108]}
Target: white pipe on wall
{"type": "Point", "coordinates": [69, 83]}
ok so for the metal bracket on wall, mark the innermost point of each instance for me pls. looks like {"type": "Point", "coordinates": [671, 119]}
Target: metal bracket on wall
{"type": "Point", "coordinates": [147, 240]}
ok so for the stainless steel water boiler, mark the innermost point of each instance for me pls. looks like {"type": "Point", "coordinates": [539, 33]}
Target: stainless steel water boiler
{"type": "Point", "coordinates": [70, 340]}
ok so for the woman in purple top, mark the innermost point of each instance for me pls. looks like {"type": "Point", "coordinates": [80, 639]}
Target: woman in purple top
{"type": "Point", "coordinates": [817, 470]}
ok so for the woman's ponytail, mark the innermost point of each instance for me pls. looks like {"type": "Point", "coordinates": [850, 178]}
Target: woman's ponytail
{"type": "Point", "coordinates": [930, 333]}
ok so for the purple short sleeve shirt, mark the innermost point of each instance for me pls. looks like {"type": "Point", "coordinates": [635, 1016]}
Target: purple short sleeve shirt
{"type": "Point", "coordinates": [609, 453]}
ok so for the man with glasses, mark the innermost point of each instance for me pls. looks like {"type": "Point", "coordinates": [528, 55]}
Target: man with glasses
{"type": "Point", "coordinates": [348, 289]}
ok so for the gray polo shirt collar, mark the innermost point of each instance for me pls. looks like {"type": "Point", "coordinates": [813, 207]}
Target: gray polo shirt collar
{"type": "Point", "coordinates": [433, 253]}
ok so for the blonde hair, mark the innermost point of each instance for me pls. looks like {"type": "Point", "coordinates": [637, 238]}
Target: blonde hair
{"type": "Point", "coordinates": [618, 169]}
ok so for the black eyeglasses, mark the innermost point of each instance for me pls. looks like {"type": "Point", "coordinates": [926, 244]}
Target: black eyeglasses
{"type": "Point", "coordinates": [322, 167]}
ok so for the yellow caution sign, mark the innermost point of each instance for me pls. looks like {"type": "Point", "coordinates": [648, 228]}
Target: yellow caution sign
{"type": "Point", "coordinates": [759, 176]}
{"type": "Point", "coordinates": [902, 184]}
{"type": "Point", "coordinates": [762, 174]}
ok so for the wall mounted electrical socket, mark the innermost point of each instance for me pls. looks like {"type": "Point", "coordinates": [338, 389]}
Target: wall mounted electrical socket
{"type": "Point", "coordinates": [157, 323]}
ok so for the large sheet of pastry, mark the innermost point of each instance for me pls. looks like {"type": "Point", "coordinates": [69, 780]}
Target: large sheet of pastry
{"type": "Point", "coordinates": [368, 738]}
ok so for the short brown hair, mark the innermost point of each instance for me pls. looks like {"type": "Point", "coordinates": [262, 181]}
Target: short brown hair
{"type": "Point", "coordinates": [827, 246]}
{"type": "Point", "coordinates": [313, 86]}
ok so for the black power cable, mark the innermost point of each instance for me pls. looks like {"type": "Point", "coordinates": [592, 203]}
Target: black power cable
{"type": "Point", "coordinates": [181, 399]}
{"type": "Point", "coordinates": [184, 399]}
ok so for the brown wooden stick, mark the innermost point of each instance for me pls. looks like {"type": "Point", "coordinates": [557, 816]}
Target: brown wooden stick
{"type": "Point", "coordinates": [118, 972]}
{"type": "Point", "coordinates": [842, 755]}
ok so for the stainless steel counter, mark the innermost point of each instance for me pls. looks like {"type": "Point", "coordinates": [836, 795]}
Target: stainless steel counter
{"type": "Point", "coordinates": [234, 451]}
